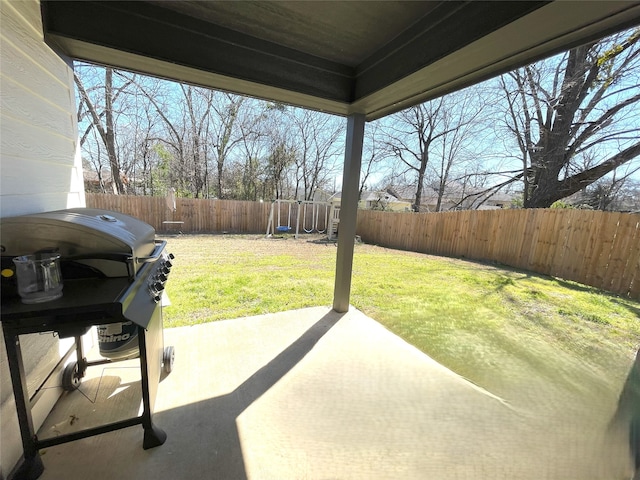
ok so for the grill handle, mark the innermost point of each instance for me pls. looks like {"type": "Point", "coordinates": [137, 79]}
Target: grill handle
{"type": "Point", "coordinates": [160, 245]}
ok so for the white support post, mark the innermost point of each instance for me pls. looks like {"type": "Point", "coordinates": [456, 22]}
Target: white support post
{"type": "Point", "coordinates": [348, 211]}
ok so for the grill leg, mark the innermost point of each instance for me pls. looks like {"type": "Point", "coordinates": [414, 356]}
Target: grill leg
{"type": "Point", "coordinates": [151, 350]}
{"type": "Point", "coordinates": [82, 361]}
{"type": "Point", "coordinates": [29, 470]}
{"type": "Point", "coordinates": [31, 467]}
{"type": "Point", "coordinates": [153, 437]}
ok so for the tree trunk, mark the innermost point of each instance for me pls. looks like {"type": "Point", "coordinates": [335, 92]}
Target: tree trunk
{"type": "Point", "coordinates": [107, 132]}
{"type": "Point", "coordinates": [110, 137]}
{"type": "Point", "coordinates": [421, 172]}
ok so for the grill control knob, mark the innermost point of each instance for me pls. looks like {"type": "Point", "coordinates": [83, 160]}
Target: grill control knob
{"type": "Point", "coordinates": [171, 256]}
{"type": "Point", "coordinates": [157, 298]}
{"type": "Point", "coordinates": [165, 270]}
{"type": "Point", "coordinates": [157, 287]}
{"type": "Point", "coordinates": [162, 277]}
{"type": "Point", "coordinates": [168, 264]}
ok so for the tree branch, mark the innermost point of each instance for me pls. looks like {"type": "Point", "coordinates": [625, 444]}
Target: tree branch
{"type": "Point", "coordinates": [577, 182]}
{"type": "Point", "coordinates": [597, 124]}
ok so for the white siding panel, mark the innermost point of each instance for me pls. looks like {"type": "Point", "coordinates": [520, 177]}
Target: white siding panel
{"type": "Point", "coordinates": [16, 70]}
{"type": "Point", "coordinates": [46, 116]}
{"type": "Point", "coordinates": [25, 204]}
{"type": "Point", "coordinates": [29, 178]}
{"type": "Point", "coordinates": [28, 142]}
{"type": "Point", "coordinates": [39, 169]}
{"type": "Point", "coordinates": [22, 36]}
{"type": "Point", "coordinates": [29, 10]}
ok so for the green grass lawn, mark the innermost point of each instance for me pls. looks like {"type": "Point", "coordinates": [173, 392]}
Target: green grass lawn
{"type": "Point", "coordinates": [506, 330]}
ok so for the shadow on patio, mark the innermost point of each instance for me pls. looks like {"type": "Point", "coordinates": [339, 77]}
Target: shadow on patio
{"type": "Point", "coordinates": [315, 394]}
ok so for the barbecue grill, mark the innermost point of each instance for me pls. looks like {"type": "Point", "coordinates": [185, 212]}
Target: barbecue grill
{"type": "Point", "coordinates": [114, 272]}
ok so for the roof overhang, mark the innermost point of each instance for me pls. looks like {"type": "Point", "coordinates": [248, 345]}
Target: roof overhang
{"type": "Point", "coordinates": [373, 58]}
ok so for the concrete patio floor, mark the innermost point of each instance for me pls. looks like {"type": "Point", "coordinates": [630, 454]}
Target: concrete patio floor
{"type": "Point", "coordinates": [312, 394]}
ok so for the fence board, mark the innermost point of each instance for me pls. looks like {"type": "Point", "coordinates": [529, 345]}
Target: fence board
{"type": "Point", "coordinates": [605, 245]}
{"type": "Point", "coordinates": [555, 240]}
{"type": "Point", "coordinates": [620, 252]}
{"type": "Point", "coordinates": [517, 232]}
{"type": "Point", "coordinates": [634, 288]}
{"type": "Point", "coordinates": [511, 233]}
{"type": "Point", "coordinates": [494, 242]}
{"type": "Point", "coordinates": [593, 248]}
{"type": "Point", "coordinates": [541, 249]}
{"type": "Point", "coordinates": [429, 245]}
{"type": "Point", "coordinates": [574, 264]}
{"type": "Point", "coordinates": [489, 231]}
{"type": "Point", "coordinates": [528, 255]}
{"type": "Point", "coordinates": [563, 262]}
{"type": "Point", "coordinates": [632, 266]}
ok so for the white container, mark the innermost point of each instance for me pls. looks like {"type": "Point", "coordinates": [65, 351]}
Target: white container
{"type": "Point", "coordinates": [118, 341]}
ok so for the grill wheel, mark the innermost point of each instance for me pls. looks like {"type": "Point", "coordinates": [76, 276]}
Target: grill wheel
{"type": "Point", "coordinates": [168, 358]}
{"type": "Point", "coordinates": [71, 377]}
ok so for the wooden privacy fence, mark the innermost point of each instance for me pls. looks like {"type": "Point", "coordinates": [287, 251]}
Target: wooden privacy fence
{"type": "Point", "coordinates": [193, 215]}
{"type": "Point", "coordinates": [211, 216]}
{"type": "Point", "coordinates": [601, 249]}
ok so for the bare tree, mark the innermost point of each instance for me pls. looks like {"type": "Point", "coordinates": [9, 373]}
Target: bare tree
{"type": "Point", "coordinates": [198, 104]}
{"type": "Point", "coordinates": [410, 136]}
{"type": "Point", "coordinates": [436, 130]}
{"type": "Point", "coordinates": [170, 141]}
{"type": "Point", "coordinates": [102, 118]}
{"type": "Point", "coordinates": [580, 103]}
{"type": "Point", "coordinates": [461, 142]}
{"type": "Point", "coordinates": [148, 162]}
{"type": "Point", "coordinates": [254, 135]}
{"type": "Point", "coordinates": [224, 134]}
{"type": "Point", "coordinates": [281, 156]}
{"type": "Point", "coordinates": [318, 145]}
{"type": "Point", "coordinates": [94, 161]}
{"type": "Point", "coordinates": [374, 155]}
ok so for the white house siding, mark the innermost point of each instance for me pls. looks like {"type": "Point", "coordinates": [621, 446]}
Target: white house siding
{"type": "Point", "coordinates": [40, 170]}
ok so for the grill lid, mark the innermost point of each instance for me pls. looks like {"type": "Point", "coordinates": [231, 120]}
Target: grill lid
{"type": "Point", "coordinates": [77, 233]}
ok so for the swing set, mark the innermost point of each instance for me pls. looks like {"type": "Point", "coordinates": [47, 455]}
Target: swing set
{"type": "Point", "coordinates": [313, 216]}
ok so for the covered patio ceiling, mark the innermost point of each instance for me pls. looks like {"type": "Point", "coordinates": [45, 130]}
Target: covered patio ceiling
{"type": "Point", "coordinates": [353, 57]}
